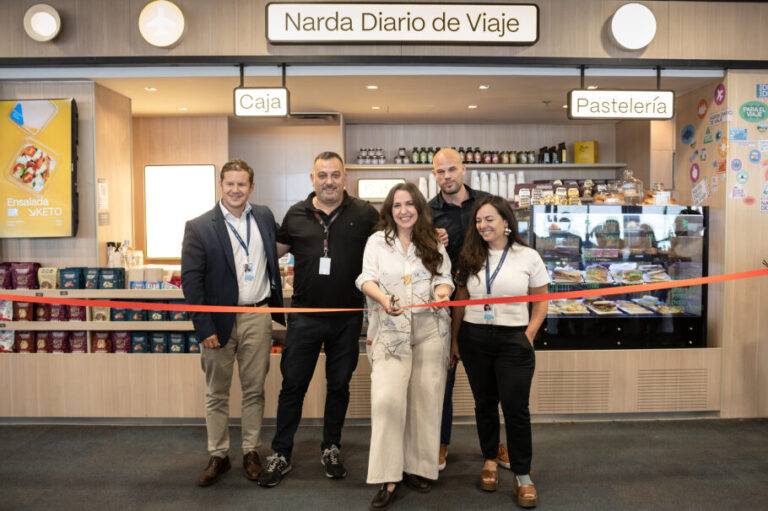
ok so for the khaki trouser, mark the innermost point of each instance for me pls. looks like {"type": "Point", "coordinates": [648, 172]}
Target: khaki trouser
{"type": "Point", "coordinates": [250, 344]}
{"type": "Point", "coordinates": [406, 405]}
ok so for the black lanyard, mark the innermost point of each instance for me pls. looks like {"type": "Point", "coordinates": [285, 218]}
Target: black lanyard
{"type": "Point", "coordinates": [326, 228]}
{"type": "Point", "coordinates": [237, 235]}
{"type": "Point", "coordinates": [488, 277]}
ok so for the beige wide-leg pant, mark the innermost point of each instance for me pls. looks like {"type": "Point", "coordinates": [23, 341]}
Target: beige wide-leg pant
{"type": "Point", "coordinates": [250, 344]}
{"type": "Point", "coordinates": [406, 405]}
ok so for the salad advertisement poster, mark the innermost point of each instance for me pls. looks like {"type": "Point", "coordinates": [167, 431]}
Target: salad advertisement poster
{"type": "Point", "coordinates": [37, 168]}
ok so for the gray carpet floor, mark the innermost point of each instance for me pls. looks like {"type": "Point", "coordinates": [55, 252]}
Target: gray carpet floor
{"type": "Point", "coordinates": [704, 464]}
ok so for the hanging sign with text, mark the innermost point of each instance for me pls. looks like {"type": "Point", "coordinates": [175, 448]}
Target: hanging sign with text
{"type": "Point", "coordinates": [402, 23]}
{"type": "Point", "coordinates": [621, 104]}
{"type": "Point", "coordinates": [261, 102]}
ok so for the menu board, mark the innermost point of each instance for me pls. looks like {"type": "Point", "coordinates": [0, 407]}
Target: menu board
{"type": "Point", "coordinates": [38, 140]}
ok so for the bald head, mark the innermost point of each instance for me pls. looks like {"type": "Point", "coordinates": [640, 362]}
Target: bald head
{"type": "Point", "coordinates": [446, 154]}
{"type": "Point", "coordinates": [449, 171]}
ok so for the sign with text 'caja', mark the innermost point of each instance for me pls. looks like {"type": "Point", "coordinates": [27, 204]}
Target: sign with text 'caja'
{"type": "Point", "coordinates": [261, 102]}
{"type": "Point", "coordinates": [621, 104]}
{"type": "Point", "coordinates": [402, 23]}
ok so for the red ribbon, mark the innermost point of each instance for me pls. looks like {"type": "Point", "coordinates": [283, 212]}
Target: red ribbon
{"type": "Point", "coordinates": [603, 291]}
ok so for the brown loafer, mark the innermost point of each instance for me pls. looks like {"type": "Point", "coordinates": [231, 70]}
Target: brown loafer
{"type": "Point", "coordinates": [526, 495]}
{"type": "Point", "coordinates": [215, 469]}
{"type": "Point", "coordinates": [252, 466]}
{"type": "Point", "coordinates": [417, 483]}
{"type": "Point", "coordinates": [384, 498]}
{"type": "Point", "coordinates": [493, 483]}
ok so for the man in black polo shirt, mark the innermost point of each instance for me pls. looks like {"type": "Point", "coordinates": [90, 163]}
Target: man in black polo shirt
{"type": "Point", "coordinates": [451, 213]}
{"type": "Point", "coordinates": [326, 233]}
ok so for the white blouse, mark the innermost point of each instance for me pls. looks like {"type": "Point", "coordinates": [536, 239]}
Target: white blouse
{"type": "Point", "coordinates": [405, 276]}
{"type": "Point", "coordinates": [522, 269]}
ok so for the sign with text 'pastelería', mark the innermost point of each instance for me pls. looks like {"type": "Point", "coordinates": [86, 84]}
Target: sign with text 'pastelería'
{"type": "Point", "coordinates": [402, 23]}
{"type": "Point", "coordinates": [261, 102]}
{"type": "Point", "coordinates": [621, 104]}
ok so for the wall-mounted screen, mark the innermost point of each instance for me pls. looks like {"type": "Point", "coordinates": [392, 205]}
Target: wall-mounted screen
{"type": "Point", "coordinates": [174, 194]}
{"type": "Point", "coordinates": [38, 155]}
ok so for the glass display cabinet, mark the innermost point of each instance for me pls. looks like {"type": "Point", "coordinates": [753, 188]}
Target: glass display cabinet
{"type": "Point", "coordinates": [609, 246]}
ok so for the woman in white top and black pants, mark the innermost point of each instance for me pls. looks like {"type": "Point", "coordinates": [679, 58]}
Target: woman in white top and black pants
{"type": "Point", "coordinates": [408, 347]}
{"type": "Point", "coordinates": [495, 342]}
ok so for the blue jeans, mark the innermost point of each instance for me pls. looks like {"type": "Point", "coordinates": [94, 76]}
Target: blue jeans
{"type": "Point", "coordinates": [306, 334]}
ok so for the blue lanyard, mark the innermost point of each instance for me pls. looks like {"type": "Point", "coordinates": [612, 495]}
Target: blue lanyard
{"type": "Point", "coordinates": [490, 278]}
{"type": "Point", "coordinates": [237, 234]}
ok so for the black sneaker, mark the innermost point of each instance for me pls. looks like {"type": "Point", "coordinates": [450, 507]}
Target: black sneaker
{"type": "Point", "coordinates": [331, 460]}
{"type": "Point", "coordinates": [273, 473]}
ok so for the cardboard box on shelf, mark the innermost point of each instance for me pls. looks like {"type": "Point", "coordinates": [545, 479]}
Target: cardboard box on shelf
{"type": "Point", "coordinates": [585, 152]}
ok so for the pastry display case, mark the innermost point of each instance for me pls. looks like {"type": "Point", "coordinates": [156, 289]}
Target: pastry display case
{"type": "Point", "coordinates": [610, 246]}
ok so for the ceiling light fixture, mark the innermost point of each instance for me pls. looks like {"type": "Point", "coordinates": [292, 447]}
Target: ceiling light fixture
{"type": "Point", "coordinates": [42, 22]}
{"type": "Point", "coordinates": [472, 107]}
{"type": "Point", "coordinates": [182, 108]}
{"type": "Point", "coordinates": [161, 23]}
{"type": "Point", "coordinates": [371, 87]}
{"type": "Point", "coordinates": [484, 87]}
{"type": "Point", "coordinates": [633, 26]}
{"type": "Point", "coordinates": [150, 89]}
{"type": "Point", "coordinates": [591, 87]}
{"type": "Point", "coordinates": [375, 108]}
{"type": "Point", "coordinates": [565, 106]}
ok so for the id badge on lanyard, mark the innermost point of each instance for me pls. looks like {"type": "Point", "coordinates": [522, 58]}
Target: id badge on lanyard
{"type": "Point", "coordinates": [488, 312]}
{"type": "Point", "coordinates": [247, 267]}
{"type": "Point", "coordinates": [324, 266]}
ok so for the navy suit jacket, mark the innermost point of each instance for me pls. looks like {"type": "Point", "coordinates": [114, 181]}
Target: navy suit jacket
{"type": "Point", "coordinates": [208, 269]}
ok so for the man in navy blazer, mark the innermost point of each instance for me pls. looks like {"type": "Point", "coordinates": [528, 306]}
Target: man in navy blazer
{"type": "Point", "coordinates": [229, 257]}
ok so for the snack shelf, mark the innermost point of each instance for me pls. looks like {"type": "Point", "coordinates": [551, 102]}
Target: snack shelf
{"type": "Point", "coordinates": [495, 166]}
{"type": "Point", "coordinates": [96, 326]}
{"type": "Point", "coordinates": [123, 294]}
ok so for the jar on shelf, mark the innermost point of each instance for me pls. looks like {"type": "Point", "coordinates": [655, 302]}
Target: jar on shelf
{"type": "Point", "coordinates": [504, 157]}
{"type": "Point", "coordinates": [631, 188]}
{"type": "Point", "coordinates": [401, 152]}
{"type": "Point", "coordinates": [513, 157]}
{"type": "Point", "coordinates": [415, 156]}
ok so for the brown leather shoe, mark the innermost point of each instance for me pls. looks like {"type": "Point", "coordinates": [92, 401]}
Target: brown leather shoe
{"type": "Point", "coordinates": [252, 465]}
{"type": "Point", "coordinates": [215, 469]}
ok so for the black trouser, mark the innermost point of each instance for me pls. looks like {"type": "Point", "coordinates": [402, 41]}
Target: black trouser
{"type": "Point", "coordinates": [306, 334]}
{"type": "Point", "coordinates": [499, 362]}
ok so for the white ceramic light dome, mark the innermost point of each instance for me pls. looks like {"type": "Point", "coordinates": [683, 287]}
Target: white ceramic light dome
{"type": "Point", "coordinates": [161, 23]}
{"type": "Point", "coordinates": [42, 22]}
{"type": "Point", "coordinates": [633, 26]}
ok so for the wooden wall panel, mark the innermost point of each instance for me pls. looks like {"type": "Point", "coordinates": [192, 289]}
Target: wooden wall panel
{"type": "Point", "coordinates": [113, 164]}
{"type": "Point", "coordinates": [80, 250]}
{"type": "Point", "coordinates": [686, 113]}
{"type": "Point", "coordinates": [282, 155]}
{"type": "Point", "coordinates": [173, 386]}
{"type": "Point", "coordinates": [170, 141]}
{"type": "Point", "coordinates": [746, 234]}
{"type": "Point", "coordinates": [685, 30]}
{"type": "Point", "coordinates": [633, 147]}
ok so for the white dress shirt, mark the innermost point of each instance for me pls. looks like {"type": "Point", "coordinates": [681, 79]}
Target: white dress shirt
{"type": "Point", "coordinates": [256, 290]}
